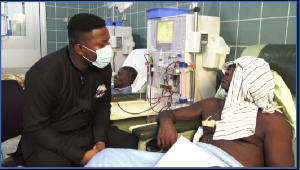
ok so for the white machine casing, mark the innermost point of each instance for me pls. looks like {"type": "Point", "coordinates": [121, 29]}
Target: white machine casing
{"type": "Point", "coordinates": [122, 42]}
{"type": "Point", "coordinates": [205, 44]}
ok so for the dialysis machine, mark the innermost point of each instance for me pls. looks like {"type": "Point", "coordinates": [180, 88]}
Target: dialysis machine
{"type": "Point", "coordinates": [122, 43]}
{"type": "Point", "coordinates": [184, 54]}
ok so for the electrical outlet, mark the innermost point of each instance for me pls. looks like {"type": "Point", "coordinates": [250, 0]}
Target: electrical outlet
{"type": "Point", "coordinates": [65, 19]}
{"type": "Point", "coordinates": [124, 17]}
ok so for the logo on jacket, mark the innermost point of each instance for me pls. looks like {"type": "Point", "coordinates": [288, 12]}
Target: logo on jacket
{"type": "Point", "coordinates": [100, 91]}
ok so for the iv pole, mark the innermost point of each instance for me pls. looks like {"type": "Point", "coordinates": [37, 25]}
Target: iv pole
{"type": "Point", "coordinates": [196, 11]}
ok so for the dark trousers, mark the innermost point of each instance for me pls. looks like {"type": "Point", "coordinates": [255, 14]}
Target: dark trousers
{"type": "Point", "coordinates": [41, 157]}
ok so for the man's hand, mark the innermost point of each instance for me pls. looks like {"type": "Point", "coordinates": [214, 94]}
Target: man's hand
{"type": "Point", "coordinates": [167, 133]}
{"type": "Point", "coordinates": [88, 156]}
{"type": "Point", "coordinates": [99, 145]}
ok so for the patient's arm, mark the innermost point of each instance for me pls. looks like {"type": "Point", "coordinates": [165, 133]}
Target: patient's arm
{"type": "Point", "coordinates": [278, 141]}
{"type": "Point", "coordinates": [167, 134]}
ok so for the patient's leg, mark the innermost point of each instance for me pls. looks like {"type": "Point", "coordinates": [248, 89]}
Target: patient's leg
{"type": "Point", "coordinates": [112, 157]}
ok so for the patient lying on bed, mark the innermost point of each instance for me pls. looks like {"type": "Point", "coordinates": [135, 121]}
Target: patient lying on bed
{"type": "Point", "coordinates": [244, 129]}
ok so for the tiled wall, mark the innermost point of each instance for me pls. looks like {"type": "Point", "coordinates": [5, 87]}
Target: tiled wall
{"type": "Point", "coordinates": [57, 34]}
{"type": "Point", "coordinates": [242, 23]}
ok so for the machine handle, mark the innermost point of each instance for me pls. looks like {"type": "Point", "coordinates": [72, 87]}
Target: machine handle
{"type": "Point", "coordinates": [4, 22]}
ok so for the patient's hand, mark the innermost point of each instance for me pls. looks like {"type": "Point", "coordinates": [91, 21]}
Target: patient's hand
{"type": "Point", "coordinates": [167, 133]}
{"type": "Point", "coordinates": [88, 156]}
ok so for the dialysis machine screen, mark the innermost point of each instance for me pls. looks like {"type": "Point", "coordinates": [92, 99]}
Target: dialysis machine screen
{"type": "Point", "coordinates": [165, 32]}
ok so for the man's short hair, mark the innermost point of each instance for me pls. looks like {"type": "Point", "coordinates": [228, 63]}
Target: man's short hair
{"type": "Point", "coordinates": [80, 25]}
{"type": "Point", "coordinates": [132, 71]}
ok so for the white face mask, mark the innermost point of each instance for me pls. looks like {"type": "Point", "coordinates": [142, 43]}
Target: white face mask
{"type": "Point", "coordinates": [104, 56]}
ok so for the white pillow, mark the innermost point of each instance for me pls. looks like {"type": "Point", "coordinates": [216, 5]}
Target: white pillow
{"type": "Point", "coordinates": [137, 60]}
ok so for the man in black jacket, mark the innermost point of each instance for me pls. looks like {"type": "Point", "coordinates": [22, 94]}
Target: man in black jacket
{"type": "Point", "coordinates": [67, 100]}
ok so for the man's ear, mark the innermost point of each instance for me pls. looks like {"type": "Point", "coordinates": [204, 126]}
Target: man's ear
{"type": "Point", "coordinates": [78, 49]}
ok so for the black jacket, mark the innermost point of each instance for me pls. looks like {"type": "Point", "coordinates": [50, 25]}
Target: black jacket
{"type": "Point", "coordinates": [63, 110]}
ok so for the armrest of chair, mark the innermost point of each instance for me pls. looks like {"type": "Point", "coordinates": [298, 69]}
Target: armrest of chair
{"type": "Point", "coordinates": [150, 131]}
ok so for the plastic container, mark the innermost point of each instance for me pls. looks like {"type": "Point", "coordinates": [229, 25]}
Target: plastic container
{"type": "Point", "coordinates": [165, 12]}
{"type": "Point", "coordinates": [118, 23]}
{"type": "Point", "coordinates": [108, 23]}
{"type": "Point", "coordinates": [182, 67]}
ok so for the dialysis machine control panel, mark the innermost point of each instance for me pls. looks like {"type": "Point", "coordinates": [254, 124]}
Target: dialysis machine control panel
{"type": "Point", "coordinates": [182, 62]}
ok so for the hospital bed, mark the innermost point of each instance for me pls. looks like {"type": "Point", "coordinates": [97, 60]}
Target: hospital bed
{"type": "Point", "coordinates": [282, 59]}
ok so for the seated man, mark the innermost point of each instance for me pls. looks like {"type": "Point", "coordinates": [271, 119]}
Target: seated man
{"type": "Point", "coordinates": [66, 115]}
{"type": "Point", "coordinates": [246, 126]}
{"type": "Point", "coordinates": [122, 81]}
